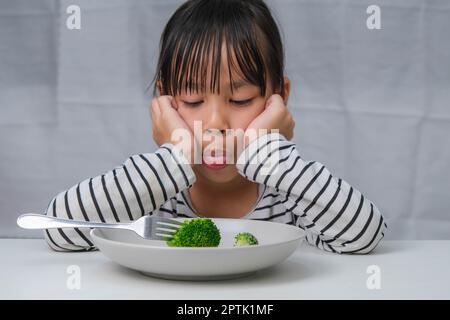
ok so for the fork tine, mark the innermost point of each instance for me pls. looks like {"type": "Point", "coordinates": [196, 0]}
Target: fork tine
{"type": "Point", "coordinates": [165, 232]}
{"type": "Point", "coordinates": [169, 220]}
{"type": "Point", "coordinates": [163, 238]}
{"type": "Point", "coordinates": [167, 226]}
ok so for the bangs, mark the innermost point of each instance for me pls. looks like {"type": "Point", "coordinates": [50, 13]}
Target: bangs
{"type": "Point", "coordinates": [191, 48]}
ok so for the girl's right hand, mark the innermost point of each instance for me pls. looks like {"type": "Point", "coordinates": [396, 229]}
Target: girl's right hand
{"type": "Point", "coordinates": [169, 127]}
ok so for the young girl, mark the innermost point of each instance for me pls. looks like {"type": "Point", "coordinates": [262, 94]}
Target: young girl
{"type": "Point", "coordinates": [221, 64]}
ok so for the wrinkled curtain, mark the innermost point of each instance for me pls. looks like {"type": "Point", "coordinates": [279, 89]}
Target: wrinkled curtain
{"type": "Point", "coordinates": [372, 105]}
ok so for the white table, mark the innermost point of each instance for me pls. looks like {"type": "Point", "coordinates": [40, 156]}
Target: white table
{"type": "Point", "coordinates": [408, 269]}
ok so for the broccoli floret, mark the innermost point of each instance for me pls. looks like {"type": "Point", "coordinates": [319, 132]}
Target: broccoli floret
{"type": "Point", "coordinates": [197, 232]}
{"type": "Point", "coordinates": [245, 239]}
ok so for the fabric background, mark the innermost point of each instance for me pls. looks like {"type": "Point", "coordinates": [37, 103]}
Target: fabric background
{"type": "Point", "coordinates": [372, 105]}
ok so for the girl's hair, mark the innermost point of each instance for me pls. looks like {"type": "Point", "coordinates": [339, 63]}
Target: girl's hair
{"type": "Point", "coordinates": [193, 38]}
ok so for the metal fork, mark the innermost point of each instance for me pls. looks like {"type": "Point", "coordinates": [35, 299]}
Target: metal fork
{"type": "Point", "coordinates": [148, 227]}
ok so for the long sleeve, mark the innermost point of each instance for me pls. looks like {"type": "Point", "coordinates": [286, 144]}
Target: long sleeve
{"type": "Point", "coordinates": [139, 186]}
{"type": "Point", "coordinates": [335, 216]}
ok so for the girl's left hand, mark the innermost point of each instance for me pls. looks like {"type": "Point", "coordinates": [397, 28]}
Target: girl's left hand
{"type": "Point", "coordinates": [275, 116]}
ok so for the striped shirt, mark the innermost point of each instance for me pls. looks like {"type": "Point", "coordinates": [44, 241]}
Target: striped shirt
{"type": "Point", "coordinates": [335, 216]}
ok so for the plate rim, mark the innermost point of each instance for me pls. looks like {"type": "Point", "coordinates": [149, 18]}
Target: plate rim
{"type": "Point", "coordinates": [300, 237]}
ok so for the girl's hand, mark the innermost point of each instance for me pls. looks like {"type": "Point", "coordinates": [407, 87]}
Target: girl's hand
{"type": "Point", "coordinates": [275, 116]}
{"type": "Point", "coordinates": [169, 127]}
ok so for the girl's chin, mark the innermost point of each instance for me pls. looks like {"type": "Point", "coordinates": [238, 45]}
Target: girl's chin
{"type": "Point", "coordinates": [218, 175]}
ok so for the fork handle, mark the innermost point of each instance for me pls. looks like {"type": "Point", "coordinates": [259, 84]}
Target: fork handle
{"type": "Point", "coordinates": [39, 221]}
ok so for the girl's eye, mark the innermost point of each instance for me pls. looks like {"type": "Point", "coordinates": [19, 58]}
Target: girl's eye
{"type": "Point", "coordinates": [192, 104]}
{"type": "Point", "coordinates": [241, 102]}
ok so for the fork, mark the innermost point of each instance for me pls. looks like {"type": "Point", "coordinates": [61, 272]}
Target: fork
{"type": "Point", "coordinates": [148, 227]}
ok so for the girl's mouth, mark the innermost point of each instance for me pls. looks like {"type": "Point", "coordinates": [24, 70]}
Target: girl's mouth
{"type": "Point", "coordinates": [215, 160]}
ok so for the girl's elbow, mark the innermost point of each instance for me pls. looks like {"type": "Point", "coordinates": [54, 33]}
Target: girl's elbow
{"type": "Point", "coordinates": [365, 245]}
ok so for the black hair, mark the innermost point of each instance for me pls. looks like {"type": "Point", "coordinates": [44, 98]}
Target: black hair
{"type": "Point", "coordinates": [194, 36]}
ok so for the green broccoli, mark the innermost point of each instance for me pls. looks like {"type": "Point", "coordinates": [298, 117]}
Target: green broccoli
{"type": "Point", "coordinates": [197, 232]}
{"type": "Point", "coordinates": [245, 239]}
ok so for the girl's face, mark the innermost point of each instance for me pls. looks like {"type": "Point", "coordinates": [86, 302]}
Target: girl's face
{"type": "Point", "coordinates": [218, 113]}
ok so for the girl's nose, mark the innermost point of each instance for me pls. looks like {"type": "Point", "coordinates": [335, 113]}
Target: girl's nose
{"type": "Point", "coordinates": [217, 121]}
{"type": "Point", "coordinates": [216, 131]}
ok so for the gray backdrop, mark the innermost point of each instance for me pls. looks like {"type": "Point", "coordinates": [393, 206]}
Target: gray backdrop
{"type": "Point", "coordinates": [372, 105]}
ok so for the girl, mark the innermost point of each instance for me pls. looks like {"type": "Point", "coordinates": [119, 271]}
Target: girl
{"type": "Point", "coordinates": [221, 64]}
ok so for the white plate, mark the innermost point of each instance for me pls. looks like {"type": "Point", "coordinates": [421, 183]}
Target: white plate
{"type": "Point", "coordinates": [277, 241]}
